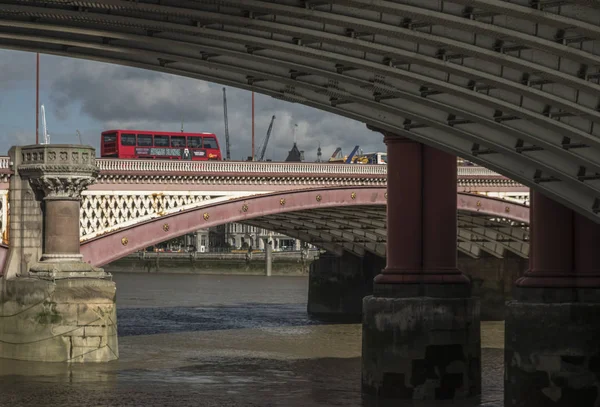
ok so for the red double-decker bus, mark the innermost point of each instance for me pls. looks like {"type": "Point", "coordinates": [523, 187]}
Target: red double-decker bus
{"type": "Point", "coordinates": [162, 145]}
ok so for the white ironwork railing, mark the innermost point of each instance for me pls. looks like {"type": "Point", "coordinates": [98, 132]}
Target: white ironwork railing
{"type": "Point", "coordinates": [249, 167]}
{"type": "Point", "coordinates": [243, 167]}
{"type": "Point", "coordinates": [465, 171]}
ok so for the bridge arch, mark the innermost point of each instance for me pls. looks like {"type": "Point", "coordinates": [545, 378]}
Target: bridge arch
{"type": "Point", "coordinates": [480, 83]}
{"type": "Point", "coordinates": [261, 210]}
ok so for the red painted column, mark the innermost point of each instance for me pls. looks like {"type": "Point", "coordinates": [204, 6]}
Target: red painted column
{"type": "Point", "coordinates": [586, 255]}
{"type": "Point", "coordinates": [404, 210]}
{"type": "Point", "coordinates": [587, 250]}
{"type": "Point", "coordinates": [440, 218]}
{"type": "Point", "coordinates": [551, 247]}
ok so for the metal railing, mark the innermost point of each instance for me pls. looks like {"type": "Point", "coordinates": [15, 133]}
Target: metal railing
{"type": "Point", "coordinates": [249, 167]}
{"type": "Point", "coordinates": [242, 167]}
{"type": "Point", "coordinates": [468, 170]}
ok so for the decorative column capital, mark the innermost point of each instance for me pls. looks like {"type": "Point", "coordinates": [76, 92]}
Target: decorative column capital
{"type": "Point", "coordinates": [66, 187]}
{"type": "Point", "coordinates": [59, 171]}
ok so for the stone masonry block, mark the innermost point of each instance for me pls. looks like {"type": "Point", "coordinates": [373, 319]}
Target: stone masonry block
{"type": "Point", "coordinates": [101, 330]}
{"type": "Point", "coordinates": [87, 342]}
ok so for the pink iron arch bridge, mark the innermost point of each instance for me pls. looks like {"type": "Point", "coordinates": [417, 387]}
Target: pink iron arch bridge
{"type": "Point", "coordinates": [137, 203]}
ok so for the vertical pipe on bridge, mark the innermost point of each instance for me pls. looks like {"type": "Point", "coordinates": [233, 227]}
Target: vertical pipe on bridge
{"type": "Point", "coordinates": [268, 257]}
{"type": "Point", "coordinates": [552, 339]}
{"type": "Point", "coordinates": [421, 336]}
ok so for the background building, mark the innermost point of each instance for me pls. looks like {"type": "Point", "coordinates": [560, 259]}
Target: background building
{"type": "Point", "coordinates": [232, 236]}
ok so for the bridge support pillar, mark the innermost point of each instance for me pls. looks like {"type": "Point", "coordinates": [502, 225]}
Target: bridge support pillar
{"type": "Point", "coordinates": [54, 306]}
{"type": "Point", "coordinates": [338, 284]}
{"type": "Point", "coordinates": [421, 329]}
{"type": "Point", "coordinates": [552, 349]}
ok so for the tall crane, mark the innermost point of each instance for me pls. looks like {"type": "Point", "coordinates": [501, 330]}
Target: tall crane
{"type": "Point", "coordinates": [351, 155]}
{"type": "Point", "coordinates": [228, 154]}
{"type": "Point", "coordinates": [44, 128]}
{"type": "Point", "coordinates": [79, 135]}
{"type": "Point", "coordinates": [264, 145]}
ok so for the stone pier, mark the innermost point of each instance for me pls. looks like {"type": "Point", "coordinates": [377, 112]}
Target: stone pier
{"type": "Point", "coordinates": [552, 344]}
{"type": "Point", "coordinates": [54, 306]}
{"type": "Point", "coordinates": [421, 327]}
{"type": "Point", "coordinates": [338, 284]}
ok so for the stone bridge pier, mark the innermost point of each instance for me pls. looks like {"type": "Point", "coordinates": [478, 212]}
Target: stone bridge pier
{"type": "Point", "coordinates": [338, 283]}
{"type": "Point", "coordinates": [54, 306]}
{"type": "Point", "coordinates": [552, 343]}
{"type": "Point", "coordinates": [421, 327]}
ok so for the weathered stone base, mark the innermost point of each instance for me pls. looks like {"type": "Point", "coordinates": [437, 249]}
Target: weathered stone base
{"type": "Point", "coordinates": [57, 269]}
{"type": "Point", "coordinates": [70, 320]}
{"type": "Point", "coordinates": [421, 348]}
{"type": "Point", "coordinates": [337, 286]}
{"type": "Point", "coordinates": [552, 354]}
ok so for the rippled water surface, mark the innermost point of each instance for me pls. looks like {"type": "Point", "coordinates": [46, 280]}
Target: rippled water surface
{"type": "Point", "coordinates": [192, 340]}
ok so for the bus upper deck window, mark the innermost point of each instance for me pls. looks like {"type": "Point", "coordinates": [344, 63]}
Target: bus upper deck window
{"type": "Point", "coordinates": [161, 141]}
{"type": "Point", "coordinates": [210, 142]}
{"type": "Point", "coordinates": [128, 139]}
{"type": "Point", "coordinates": [109, 138]}
{"type": "Point", "coordinates": [194, 142]}
{"type": "Point", "coordinates": [144, 140]}
{"type": "Point", "coordinates": [177, 141]}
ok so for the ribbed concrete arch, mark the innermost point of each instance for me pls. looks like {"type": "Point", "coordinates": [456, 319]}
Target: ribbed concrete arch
{"type": "Point", "coordinates": [508, 85]}
{"type": "Point", "coordinates": [334, 219]}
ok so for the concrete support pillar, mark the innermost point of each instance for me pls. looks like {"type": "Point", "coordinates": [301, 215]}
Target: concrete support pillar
{"type": "Point", "coordinates": [338, 284]}
{"type": "Point", "coordinates": [421, 337]}
{"type": "Point", "coordinates": [552, 350]}
{"type": "Point", "coordinates": [268, 258]}
{"type": "Point", "coordinates": [55, 307]}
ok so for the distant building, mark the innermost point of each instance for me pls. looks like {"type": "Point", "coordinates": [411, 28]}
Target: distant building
{"type": "Point", "coordinates": [230, 237]}
{"type": "Point", "coordinates": [295, 155]}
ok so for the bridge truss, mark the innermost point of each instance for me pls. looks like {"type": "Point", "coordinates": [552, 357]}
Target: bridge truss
{"type": "Point", "coordinates": [512, 85]}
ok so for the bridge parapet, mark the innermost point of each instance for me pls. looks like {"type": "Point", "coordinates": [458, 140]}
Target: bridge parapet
{"type": "Point", "coordinates": [255, 167]}
{"type": "Point", "coordinates": [232, 167]}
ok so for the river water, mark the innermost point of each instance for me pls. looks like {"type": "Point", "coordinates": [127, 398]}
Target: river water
{"type": "Point", "coordinates": [206, 340]}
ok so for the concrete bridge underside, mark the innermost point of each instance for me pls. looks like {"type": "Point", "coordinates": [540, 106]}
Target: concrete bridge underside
{"type": "Point", "coordinates": [509, 85]}
{"type": "Point", "coordinates": [335, 219]}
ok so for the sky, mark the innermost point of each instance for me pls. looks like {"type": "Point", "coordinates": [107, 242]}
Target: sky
{"type": "Point", "coordinates": [92, 97]}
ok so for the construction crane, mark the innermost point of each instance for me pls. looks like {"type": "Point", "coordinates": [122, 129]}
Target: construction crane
{"type": "Point", "coordinates": [335, 153]}
{"type": "Point", "coordinates": [263, 148]}
{"type": "Point", "coordinates": [44, 128]}
{"type": "Point", "coordinates": [79, 135]}
{"type": "Point", "coordinates": [351, 155]}
{"type": "Point", "coordinates": [227, 154]}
